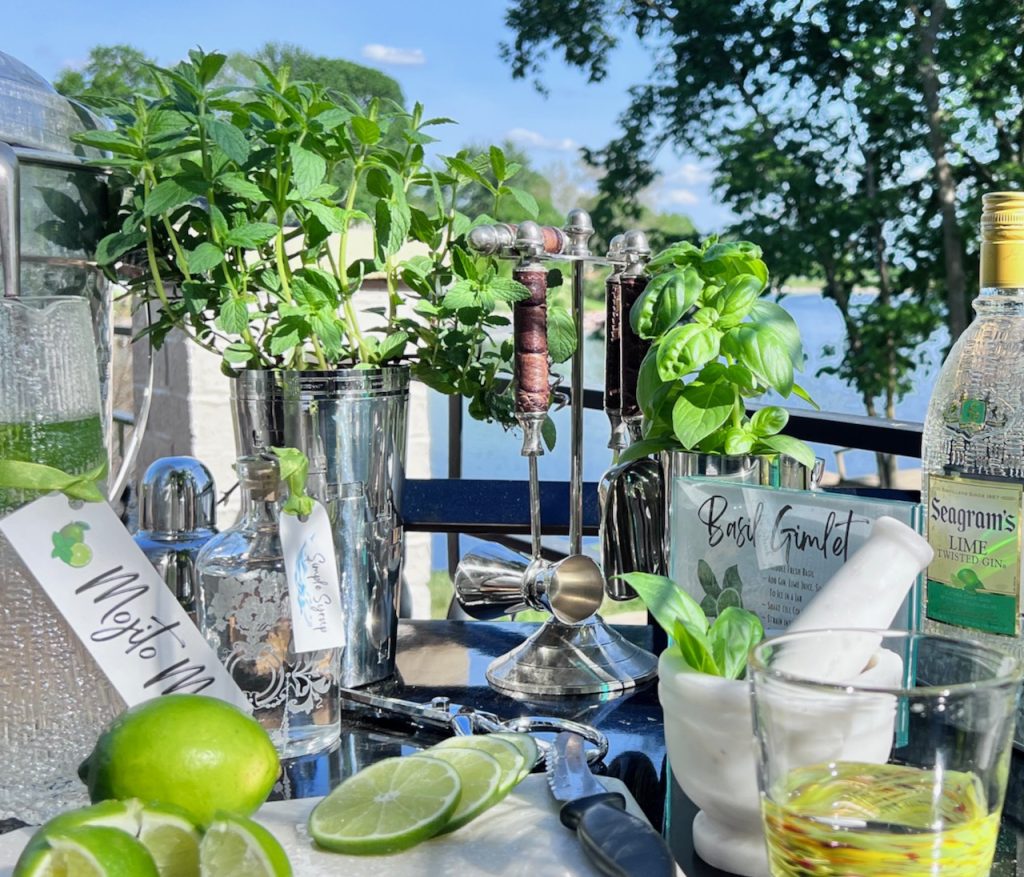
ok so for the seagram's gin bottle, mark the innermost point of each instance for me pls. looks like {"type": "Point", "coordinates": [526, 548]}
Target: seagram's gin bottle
{"type": "Point", "coordinates": [245, 614]}
{"type": "Point", "coordinates": [973, 450]}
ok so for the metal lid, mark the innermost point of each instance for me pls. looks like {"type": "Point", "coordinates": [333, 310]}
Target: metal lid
{"type": "Point", "coordinates": [177, 495]}
{"type": "Point", "coordinates": [34, 115]}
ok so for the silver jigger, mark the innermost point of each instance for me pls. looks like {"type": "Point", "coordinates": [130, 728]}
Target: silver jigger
{"type": "Point", "coordinates": [494, 581]}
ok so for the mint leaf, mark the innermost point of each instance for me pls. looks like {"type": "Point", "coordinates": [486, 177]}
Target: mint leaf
{"type": "Point", "coordinates": [308, 169]}
{"type": "Point", "coordinates": [231, 141]}
{"type": "Point", "coordinates": [561, 334]}
{"type": "Point", "coordinates": [250, 235]}
{"type": "Point", "coordinates": [204, 258]}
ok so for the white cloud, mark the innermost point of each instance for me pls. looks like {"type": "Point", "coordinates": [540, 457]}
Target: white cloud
{"type": "Point", "coordinates": [689, 173]}
{"type": "Point", "coordinates": [393, 55]}
{"type": "Point", "coordinates": [539, 141]}
{"type": "Point", "coordinates": [680, 197]}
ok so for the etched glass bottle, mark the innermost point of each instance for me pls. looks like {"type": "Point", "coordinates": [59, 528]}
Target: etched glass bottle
{"type": "Point", "coordinates": [245, 615]}
{"type": "Point", "coordinates": [973, 449]}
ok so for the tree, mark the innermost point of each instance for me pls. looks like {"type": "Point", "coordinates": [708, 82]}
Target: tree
{"type": "Point", "coordinates": [853, 137]}
{"type": "Point", "coordinates": [344, 77]}
{"type": "Point", "coordinates": [111, 71]}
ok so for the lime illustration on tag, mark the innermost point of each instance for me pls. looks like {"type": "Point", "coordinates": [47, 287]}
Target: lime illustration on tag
{"type": "Point", "coordinates": [69, 545]}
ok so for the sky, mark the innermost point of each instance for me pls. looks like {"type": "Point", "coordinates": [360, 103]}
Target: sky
{"type": "Point", "coordinates": [443, 53]}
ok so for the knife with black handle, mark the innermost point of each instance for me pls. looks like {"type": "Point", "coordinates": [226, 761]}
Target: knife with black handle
{"type": "Point", "coordinates": [618, 843]}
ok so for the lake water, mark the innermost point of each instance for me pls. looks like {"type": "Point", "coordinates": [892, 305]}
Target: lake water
{"type": "Point", "coordinates": [490, 452]}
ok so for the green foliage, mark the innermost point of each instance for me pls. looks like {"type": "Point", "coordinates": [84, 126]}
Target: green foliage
{"type": "Point", "coordinates": [336, 75]}
{"type": "Point", "coordinates": [718, 649]}
{"type": "Point", "coordinates": [294, 468]}
{"type": "Point", "coordinates": [230, 193]}
{"type": "Point", "coordinates": [853, 138]}
{"type": "Point", "coordinates": [714, 345]}
{"type": "Point", "coordinates": [111, 72]}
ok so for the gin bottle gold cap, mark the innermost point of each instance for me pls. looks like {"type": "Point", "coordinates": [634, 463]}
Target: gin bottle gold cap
{"type": "Point", "coordinates": [1002, 240]}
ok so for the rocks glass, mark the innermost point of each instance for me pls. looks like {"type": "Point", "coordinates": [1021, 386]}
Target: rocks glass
{"type": "Point", "coordinates": [925, 792]}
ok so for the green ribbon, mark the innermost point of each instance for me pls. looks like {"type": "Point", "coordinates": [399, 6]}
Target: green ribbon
{"type": "Point", "coordinates": [22, 475]}
{"type": "Point", "coordinates": [294, 467]}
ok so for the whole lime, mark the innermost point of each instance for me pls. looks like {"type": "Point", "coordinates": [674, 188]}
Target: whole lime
{"type": "Point", "coordinates": [194, 752]}
{"type": "Point", "coordinates": [75, 531]}
{"type": "Point", "coordinates": [81, 554]}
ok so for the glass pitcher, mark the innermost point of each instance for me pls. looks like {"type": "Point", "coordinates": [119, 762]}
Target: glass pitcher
{"type": "Point", "coordinates": [54, 700]}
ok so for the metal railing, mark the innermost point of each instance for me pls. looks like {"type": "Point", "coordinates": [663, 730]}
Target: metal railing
{"type": "Point", "coordinates": [499, 510]}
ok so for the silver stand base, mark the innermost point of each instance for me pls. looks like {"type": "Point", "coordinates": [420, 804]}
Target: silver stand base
{"type": "Point", "coordinates": [561, 660]}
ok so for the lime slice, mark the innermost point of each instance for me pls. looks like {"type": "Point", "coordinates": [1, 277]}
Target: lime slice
{"type": "Point", "coordinates": [389, 806]}
{"type": "Point", "coordinates": [172, 841]}
{"type": "Point", "coordinates": [235, 846]}
{"type": "Point", "coordinates": [480, 775]}
{"type": "Point", "coordinates": [512, 761]}
{"type": "Point", "coordinates": [526, 745]}
{"type": "Point", "coordinates": [94, 851]}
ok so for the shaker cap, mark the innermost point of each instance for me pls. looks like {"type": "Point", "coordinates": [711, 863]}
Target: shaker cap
{"type": "Point", "coordinates": [177, 495]}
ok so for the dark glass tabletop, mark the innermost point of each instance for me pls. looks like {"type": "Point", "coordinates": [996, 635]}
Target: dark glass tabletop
{"type": "Point", "coordinates": [449, 659]}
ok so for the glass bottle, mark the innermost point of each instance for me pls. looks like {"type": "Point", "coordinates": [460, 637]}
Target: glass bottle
{"type": "Point", "coordinates": [973, 449]}
{"type": "Point", "coordinates": [54, 699]}
{"type": "Point", "coordinates": [245, 615]}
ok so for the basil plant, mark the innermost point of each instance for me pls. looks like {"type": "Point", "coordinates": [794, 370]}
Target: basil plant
{"type": "Point", "coordinates": [716, 344]}
{"type": "Point", "coordinates": [717, 649]}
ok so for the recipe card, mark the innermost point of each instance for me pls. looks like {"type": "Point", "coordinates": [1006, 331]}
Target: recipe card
{"type": "Point", "coordinates": [769, 549]}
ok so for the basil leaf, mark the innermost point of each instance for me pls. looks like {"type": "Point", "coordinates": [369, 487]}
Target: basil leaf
{"type": "Point", "coordinates": [700, 410]}
{"type": "Point", "coordinates": [734, 633]}
{"type": "Point", "coordinates": [695, 648]}
{"type": "Point", "coordinates": [666, 601]}
{"type": "Point", "coordinates": [766, 355]}
{"type": "Point", "coordinates": [686, 348]}
{"type": "Point", "coordinates": [791, 447]}
{"type": "Point", "coordinates": [646, 448]}
{"type": "Point", "coordinates": [769, 420]}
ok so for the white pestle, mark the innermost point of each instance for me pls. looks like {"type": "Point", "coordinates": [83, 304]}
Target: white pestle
{"type": "Point", "coordinates": [865, 593]}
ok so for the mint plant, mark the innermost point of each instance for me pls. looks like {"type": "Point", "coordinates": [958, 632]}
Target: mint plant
{"type": "Point", "coordinates": [243, 201]}
{"type": "Point", "coordinates": [715, 345]}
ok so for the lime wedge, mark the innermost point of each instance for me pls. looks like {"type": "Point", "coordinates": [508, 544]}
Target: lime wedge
{"type": "Point", "coordinates": [526, 745]}
{"type": "Point", "coordinates": [480, 775]}
{"type": "Point", "coordinates": [172, 841]}
{"type": "Point", "coordinates": [94, 851]}
{"type": "Point", "coordinates": [388, 806]}
{"type": "Point", "coordinates": [512, 761]}
{"type": "Point", "coordinates": [236, 846]}
{"type": "Point", "coordinates": [110, 814]}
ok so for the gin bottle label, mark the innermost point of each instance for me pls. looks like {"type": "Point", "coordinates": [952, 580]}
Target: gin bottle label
{"type": "Point", "coordinates": [974, 527]}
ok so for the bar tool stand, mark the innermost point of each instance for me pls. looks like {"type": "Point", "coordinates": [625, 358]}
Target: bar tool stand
{"type": "Point", "coordinates": [575, 652]}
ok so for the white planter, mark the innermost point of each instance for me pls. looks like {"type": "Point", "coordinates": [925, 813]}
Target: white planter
{"type": "Point", "coordinates": [710, 741]}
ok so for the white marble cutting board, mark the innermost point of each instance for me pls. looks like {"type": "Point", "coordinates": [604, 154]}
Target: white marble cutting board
{"type": "Point", "coordinates": [520, 837]}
